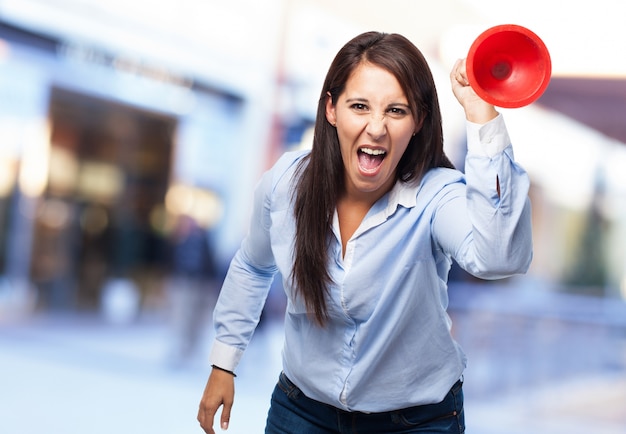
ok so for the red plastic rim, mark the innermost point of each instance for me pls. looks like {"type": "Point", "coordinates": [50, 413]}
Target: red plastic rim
{"type": "Point", "coordinates": [509, 66]}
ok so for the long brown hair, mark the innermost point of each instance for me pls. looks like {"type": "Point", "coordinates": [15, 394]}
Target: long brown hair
{"type": "Point", "coordinates": [321, 173]}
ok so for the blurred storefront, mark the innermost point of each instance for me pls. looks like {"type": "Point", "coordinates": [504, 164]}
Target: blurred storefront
{"type": "Point", "coordinates": [103, 147]}
{"type": "Point", "coordinates": [88, 167]}
{"type": "Point", "coordinates": [117, 116]}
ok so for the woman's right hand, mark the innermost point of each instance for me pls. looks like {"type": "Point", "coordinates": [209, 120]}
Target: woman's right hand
{"type": "Point", "coordinates": [219, 391]}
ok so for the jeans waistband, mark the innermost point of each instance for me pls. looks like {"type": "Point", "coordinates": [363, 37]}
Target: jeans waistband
{"type": "Point", "coordinates": [291, 389]}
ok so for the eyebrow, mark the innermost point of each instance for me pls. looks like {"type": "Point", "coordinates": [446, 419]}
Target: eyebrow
{"type": "Point", "coordinates": [356, 100]}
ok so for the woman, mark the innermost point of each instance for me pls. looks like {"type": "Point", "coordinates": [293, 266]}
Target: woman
{"type": "Point", "coordinates": [363, 229]}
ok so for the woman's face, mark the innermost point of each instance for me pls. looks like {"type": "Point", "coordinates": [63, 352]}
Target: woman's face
{"type": "Point", "coordinates": [374, 125]}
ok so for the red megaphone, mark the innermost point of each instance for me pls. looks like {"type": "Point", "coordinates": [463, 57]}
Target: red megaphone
{"type": "Point", "coordinates": [508, 66]}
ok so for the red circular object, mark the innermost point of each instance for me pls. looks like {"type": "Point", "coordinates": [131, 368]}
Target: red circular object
{"type": "Point", "coordinates": [509, 66]}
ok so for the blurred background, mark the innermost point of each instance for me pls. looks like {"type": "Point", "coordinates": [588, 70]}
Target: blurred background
{"type": "Point", "coordinates": [132, 135]}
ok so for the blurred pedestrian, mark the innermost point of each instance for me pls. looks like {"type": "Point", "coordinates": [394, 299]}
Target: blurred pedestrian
{"type": "Point", "coordinates": [192, 289]}
{"type": "Point", "coordinates": [364, 228]}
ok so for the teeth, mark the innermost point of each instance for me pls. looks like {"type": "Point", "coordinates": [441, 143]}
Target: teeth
{"type": "Point", "coordinates": [372, 151]}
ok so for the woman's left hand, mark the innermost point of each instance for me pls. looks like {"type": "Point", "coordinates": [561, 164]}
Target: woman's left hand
{"type": "Point", "coordinates": [476, 110]}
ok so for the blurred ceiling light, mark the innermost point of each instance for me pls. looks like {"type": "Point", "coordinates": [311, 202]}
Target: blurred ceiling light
{"type": "Point", "coordinates": [8, 174]}
{"type": "Point", "coordinates": [178, 199]}
{"type": "Point", "coordinates": [54, 214]}
{"type": "Point", "coordinates": [99, 181]}
{"type": "Point", "coordinates": [160, 220]}
{"type": "Point", "coordinates": [12, 127]}
{"type": "Point", "coordinates": [204, 206]}
{"type": "Point", "coordinates": [33, 175]}
{"type": "Point", "coordinates": [64, 168]}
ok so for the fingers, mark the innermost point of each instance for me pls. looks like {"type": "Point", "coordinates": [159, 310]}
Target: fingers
{"type": "Point", "coordinates": [207, 409]}
{"type": "Point", "coordinates": [225, 418]}
{"type": "Point", "coordinates": [459, 73]}
{"type": "Point", "coordinates": [219, 392]}
{"type": "Point", "coordinates": [205, 417]}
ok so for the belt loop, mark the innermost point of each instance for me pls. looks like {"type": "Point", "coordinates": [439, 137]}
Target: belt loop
{"type": "Point", "coordinates": [291, 389]}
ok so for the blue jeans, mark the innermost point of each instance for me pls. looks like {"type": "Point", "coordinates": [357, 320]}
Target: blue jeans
{"type": "Point", "coordinates": [291, 412]}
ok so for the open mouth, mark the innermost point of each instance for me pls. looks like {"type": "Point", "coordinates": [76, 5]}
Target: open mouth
{"type": "Point", "coordinates": [370, 159]}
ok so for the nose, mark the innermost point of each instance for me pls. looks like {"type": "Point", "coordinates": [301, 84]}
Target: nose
{"type": "Point", "coordinates": [377, 126]}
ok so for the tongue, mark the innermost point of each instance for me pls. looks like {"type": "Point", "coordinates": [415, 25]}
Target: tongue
{"type": "Point", "coordinates": [369, 162]}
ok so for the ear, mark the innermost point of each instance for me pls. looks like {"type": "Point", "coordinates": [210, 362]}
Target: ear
{"type": "Point", "coordinates": [418, 126]}
{"type": "Point", "coordinates": [331, 114]}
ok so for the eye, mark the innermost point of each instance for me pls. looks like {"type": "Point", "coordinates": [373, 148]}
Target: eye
{"type": "Point", "coordinates": [398, 111]}
{"type": "Point", "coordinates": [359, 106]}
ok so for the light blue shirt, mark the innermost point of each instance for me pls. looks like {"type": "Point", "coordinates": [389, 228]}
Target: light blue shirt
{"type": "Point", "coordinates": [388, 343]}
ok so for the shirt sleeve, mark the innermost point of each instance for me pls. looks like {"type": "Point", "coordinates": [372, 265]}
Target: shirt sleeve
{"type": "Point", "coordinates": [246, 285]}
{"type": "Point", "coordinates": [487, 139]}
{"type": "Point", "coordinates": [486, 225]}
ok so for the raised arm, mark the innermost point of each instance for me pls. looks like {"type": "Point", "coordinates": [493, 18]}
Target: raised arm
{"type": "Point", "coordinates": [486, 226]}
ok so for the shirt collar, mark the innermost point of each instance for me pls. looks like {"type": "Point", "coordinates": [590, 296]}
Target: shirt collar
{"type": "Point", "coordinates": [403, 194]}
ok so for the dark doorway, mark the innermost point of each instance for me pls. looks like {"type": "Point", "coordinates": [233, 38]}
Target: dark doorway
{"type": "Point", "coordinates": [108, 176]}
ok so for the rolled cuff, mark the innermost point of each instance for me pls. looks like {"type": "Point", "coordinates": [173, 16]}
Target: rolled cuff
{"type": "Point", "coordinates": [487, 139]}
{"type": "Point", "coordinates": [225, 356]}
